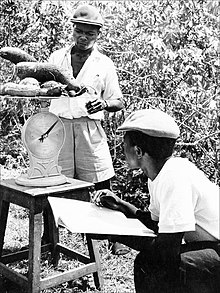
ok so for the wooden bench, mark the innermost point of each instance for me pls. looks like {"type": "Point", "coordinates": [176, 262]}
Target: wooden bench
{"type": "Point", "coordinates": [40, 215]}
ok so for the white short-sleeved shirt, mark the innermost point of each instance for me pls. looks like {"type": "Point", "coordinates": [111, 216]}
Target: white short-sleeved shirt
{"type": "Point", "coordinates": [183, 199]}
{"type": "Point", "coordinates": [98, 73]}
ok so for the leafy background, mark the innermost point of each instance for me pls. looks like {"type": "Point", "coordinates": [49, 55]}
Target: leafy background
{"type": "Point", "coordinates": [167, 56]}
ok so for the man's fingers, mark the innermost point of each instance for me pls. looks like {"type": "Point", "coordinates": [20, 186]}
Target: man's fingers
{"type": "Point", "coordinates": [96, 197]}
{"type": "Point", "coordinates": [94, 106]}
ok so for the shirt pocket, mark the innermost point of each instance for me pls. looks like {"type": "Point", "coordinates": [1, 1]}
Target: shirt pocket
{"type": "Point", "coordinates": [96, 83]}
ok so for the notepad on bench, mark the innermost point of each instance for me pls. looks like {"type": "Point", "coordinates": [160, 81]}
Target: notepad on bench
{"type": "Point", "coordinates": [85, 217]}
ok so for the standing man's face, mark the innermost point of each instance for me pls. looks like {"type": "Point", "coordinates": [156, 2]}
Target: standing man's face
{"type": "Point", "coordinates": [85, 35]}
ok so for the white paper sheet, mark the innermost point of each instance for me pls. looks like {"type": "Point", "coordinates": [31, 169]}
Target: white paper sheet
{"type": "Point", "coordinates": [85, 217]}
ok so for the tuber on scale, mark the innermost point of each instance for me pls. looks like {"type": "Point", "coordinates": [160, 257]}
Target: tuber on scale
{"type": "Point", "coordinates": [44, 71]}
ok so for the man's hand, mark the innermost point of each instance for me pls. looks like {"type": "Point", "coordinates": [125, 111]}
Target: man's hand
{"type": "Point", "coordinates": [96, 106]}
{"type": "Point", "coordinates": [107, 199]}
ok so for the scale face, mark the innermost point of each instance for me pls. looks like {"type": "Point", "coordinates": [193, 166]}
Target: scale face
{"type": "Point", "coordinates": [43, 136]}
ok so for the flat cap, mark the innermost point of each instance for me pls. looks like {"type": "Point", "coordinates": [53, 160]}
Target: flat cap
{"type": "Point", "coordinates": [87, 14]}
{"type": "Point", "coordinates": [152, 122]}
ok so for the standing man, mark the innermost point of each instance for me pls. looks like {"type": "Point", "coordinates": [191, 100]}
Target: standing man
{"type": "Point", "coordinates": [85, 154]}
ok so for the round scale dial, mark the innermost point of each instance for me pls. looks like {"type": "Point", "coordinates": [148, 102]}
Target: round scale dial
{"type": "Point", "coordinates": [43, 135]}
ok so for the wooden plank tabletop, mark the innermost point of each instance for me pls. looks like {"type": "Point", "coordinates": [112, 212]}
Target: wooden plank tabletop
{"type": "Point", "coordinates": [34, 97]}
{"type": "Point", "coordinates": [71, 184]}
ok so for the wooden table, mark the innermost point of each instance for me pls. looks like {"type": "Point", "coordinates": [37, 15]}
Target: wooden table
{"type": "Point", "coordinates": [40, 215]}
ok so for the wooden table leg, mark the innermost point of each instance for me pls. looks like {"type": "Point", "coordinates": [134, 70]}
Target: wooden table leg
{"type": "Point", "coordinates": [4, 207]}
{"type": "Point", "coordinates": [35, 231]}
{"type": "Point", "coordinates": [94, 257]}
{"type": "Point", "coordinates": [51, 233]}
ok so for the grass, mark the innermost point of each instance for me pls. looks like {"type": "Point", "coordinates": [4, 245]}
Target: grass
{"type": "Point", "coordinates": [117, 271]}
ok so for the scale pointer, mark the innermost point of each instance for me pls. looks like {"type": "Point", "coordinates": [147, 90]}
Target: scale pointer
{"type": "Point", "coordinates": [45, 135]}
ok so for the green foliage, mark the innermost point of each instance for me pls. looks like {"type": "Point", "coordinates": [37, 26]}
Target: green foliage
{"type": "Point", "coordinates": [167, 57]}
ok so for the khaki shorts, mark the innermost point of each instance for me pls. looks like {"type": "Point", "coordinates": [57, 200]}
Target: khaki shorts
{"type": "Point", "coordinates": [85, 154]}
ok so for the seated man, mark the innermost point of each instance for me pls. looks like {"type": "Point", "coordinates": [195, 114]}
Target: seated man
{"type": "Point", "coordinates": [183, 210]}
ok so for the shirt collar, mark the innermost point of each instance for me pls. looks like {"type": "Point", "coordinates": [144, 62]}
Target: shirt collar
{"type": "Point", "coordinates": [95, 53]}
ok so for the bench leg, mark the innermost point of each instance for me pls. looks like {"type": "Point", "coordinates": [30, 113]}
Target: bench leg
{"type": "Point", "coordinates": [2, 285]}
{"type": "Point", "coordinates": [94, 257]}
{"type": "Point", "coordinates": [51, 233]}
{"type": "Point", "coordinates": [35, 230]}
{"type": "Point", "coordinates": [4, 208]}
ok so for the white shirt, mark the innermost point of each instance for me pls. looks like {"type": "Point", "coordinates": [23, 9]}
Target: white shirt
{"type": "Point", "coordinates": [98, 73]}
{"type": "Point", "coordinates": [183, 199]}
